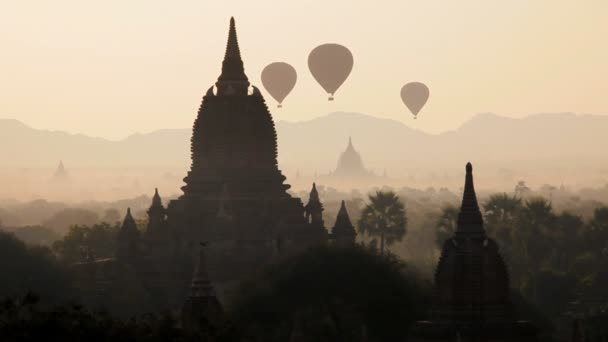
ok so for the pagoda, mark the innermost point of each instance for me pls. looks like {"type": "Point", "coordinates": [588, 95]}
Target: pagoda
{"type": "Point", "coordinates": [471, 292]}
{"type": "Point", "coordinates": [234, 194]}
{"type": "Point", "coordinates": [350, 164]}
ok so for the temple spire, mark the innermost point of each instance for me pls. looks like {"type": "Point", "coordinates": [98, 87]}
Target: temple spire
{"type": "Point", "coordinates": [343, 230]}
{"type": "Point", "coordinates": [156, 201]}
{"type": "Point", "coordinates": [233, 72]}
{"type": "Point", "coordinates": [343, 219]}
{"type": "Point", "coordinates": [128, 238]}
{"type": "Point", "coordinates": [201, 285]}
{"type": "Point", "coordinates": [314, 207]}
{"type": "Point", "coordinates": [469, 218]}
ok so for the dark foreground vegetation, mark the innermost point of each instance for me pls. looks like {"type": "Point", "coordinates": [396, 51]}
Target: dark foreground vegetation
{"type": "Point", "coordinates": [556, 251]}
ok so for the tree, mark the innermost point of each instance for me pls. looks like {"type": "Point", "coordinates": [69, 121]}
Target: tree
{"type": "Point", "coordinates": [598, 232]}
{"type": "Point", "coordinates": [24, 319]}
{"type": "Point", "coordinates": [36, 235]}
{"type": "Point", "coordinates": [331, 293]}
{"type": "Point", "coordinates": [501, 209]}
{"type": "Point", "coordinates": [31, 268]}
{"type": "Point", "coordinates": [446, 224]}
{"type": "Point", "coordinates": [384, 217]}
{"type": "Point", "coordinates": [83, 242]}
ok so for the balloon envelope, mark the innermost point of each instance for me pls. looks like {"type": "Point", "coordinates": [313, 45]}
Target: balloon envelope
{"type": "Point", "coordinates": [330, 65]}
{"type": "Point", "coordinates": [279, 79]}
{"type": "Point", "coordinates": [414, 96]}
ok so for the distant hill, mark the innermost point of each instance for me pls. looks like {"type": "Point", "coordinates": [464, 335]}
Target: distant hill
{"type": "Point", "coordinates": [317, 143]}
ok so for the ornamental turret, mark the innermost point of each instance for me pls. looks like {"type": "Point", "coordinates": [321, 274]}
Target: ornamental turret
{"type": "Point", "coordinates": [314, 208]}
{"type": "Point", "coordinates": [343, 230]}
{"type": "Point", "coordinates": [202, 310]}
{"type": "Point", "coordinates": [128, 239]}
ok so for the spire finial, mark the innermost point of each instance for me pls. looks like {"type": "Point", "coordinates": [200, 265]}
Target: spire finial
{"type": "Point", "coordinates": [156, 200]}
{"type": "Point", "coordinates": [469, 218]}
{"type": "Point", "coordinates": [314, 194]}
{"type": "Point", "coordinates": [232, 66]}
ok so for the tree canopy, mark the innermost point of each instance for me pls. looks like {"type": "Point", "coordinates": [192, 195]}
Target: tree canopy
{"type": "Point", "coordinates": [332, 293]}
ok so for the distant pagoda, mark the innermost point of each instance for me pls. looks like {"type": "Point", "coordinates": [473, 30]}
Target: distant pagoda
{"type": "Point", "coordinates": [350, 164]}
{"type": "Point", "coordinates": [61, 173]}
{"type": "Point", "coordinates": [471, 299]}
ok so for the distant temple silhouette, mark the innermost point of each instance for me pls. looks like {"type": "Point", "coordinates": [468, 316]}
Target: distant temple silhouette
{"type": "Point", "coordinates": [234, 199]}
{"type": "Point", "coordinates": [350, 165]}
{"type": "Point", "coordinates": [471, 292]}
{"type": "Point", "coordinates": [60, 173]}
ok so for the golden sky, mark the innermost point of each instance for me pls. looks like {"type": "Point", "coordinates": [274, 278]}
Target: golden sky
{"type": "Point", "coordinates": [110, 68]}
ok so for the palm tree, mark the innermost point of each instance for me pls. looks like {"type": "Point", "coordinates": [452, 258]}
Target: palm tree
{"type": "Point", "coordinates": [385, 217]}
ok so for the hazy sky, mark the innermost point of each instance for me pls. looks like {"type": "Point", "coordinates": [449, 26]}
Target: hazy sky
{"type": "Point", "coordinates": [110, 68]}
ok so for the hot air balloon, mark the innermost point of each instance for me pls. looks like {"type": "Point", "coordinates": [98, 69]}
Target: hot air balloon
{"type": "Point", "coordinates": [330, 65]}
{"type": "Point", "coordinates": [414, 96]}
{"type": "Point", "coordinates": [279, 79]}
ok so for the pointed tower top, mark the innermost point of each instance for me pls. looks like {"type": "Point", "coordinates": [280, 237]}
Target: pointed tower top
{"type": "Point", "coordinates": [350, 144]}
{"type": "Point", "coordinates": [232, 66]}
{"type": "Point", "coordinates": [156, 200]}
{"type": "Point", "coordinates": [129, 222]}
{"type": "Point", "coordinates": [201, 285]}
{"type": "Point", "coordinates": [469, 218]}
{"type": "Point", "coordinates": [314, 194]}
{"type": "Point", "coordinates": [343, 219]}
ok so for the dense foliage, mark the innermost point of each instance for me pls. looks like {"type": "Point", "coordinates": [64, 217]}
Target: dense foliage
{"type": "Point", "coordinates": [83, 243]}
{"type": "Point", "coordinates": [25, 320]}
{"type": "Point", "coordinates": [31, 268]}
{"type": "Point", "coordinates": [332, 293]}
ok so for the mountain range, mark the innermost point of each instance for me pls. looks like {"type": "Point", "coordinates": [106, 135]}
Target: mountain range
{"type": "Point", "coordinates": [316, 144]}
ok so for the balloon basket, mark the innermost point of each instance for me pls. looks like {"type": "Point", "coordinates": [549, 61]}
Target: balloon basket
{"type": "Point", "coordinates": [331, 98]}
{"type": "Point", "coordinates": [280, 106]}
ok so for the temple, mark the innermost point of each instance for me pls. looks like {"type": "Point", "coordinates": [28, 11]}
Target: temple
{"type": "Point", "coordinates": [60, 173]}
{"type": "Point", "coordinates": [343, 230]}
{"type": "Point", "coordinates": [471, 292]}
{"type": "Point", "coordinates": [234, 198]}
{"type": "Point", "coordinates": [350, 164]}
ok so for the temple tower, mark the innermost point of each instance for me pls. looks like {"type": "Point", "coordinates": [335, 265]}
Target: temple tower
{"type": "Point", "coordinates": [350, 164]}
{"type": "Point", "coordinates": [314, 208]}
{"type": "Point", "coordinates": [343, 230]}
{"type": "Point", "coordinates": [234, 194]}
{"type": "Point", "coordinates": [202, 310]}
{"type": "Point", "coordinates": [471, 292]}
{"type": "Point", "coordinates": [128, 240]}
{"type": "Point", "coordinates": [157, 234]}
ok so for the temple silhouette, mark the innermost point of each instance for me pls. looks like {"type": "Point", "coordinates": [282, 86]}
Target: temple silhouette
{"type": "Point", "coordinates": [471, 291]}
{"type": "Point", "coordinates": [234, 199]}
{"type": "Point", "coordinates": [350, 164]}
{"type": "Point", "coordinates": [61, 173]}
